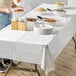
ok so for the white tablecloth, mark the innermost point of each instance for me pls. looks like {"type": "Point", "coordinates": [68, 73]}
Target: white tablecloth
{"type": "Point", "coordinates": [30, 47]}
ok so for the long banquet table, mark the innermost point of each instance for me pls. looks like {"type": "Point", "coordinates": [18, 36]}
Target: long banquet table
{"type": "Point", "coordinates": [27, 46]}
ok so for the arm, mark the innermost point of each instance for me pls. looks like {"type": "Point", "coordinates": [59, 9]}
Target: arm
{"type": "Point", "coordinates": [6, 10]}
{"type": "Point", "coordinates": [14, 5]}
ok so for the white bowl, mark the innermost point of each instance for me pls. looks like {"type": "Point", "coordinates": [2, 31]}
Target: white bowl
{"type": "Point", "coordinates": [43, 29]}
{"type": "Point", "coordinates": [58, 7]}
{"type": "Point", "coordinates": [50, 23]}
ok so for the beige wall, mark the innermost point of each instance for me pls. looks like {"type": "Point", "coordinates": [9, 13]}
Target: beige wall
{"type": "Point", "coordinates": [72, 3]}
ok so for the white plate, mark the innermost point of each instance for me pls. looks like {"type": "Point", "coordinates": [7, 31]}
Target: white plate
{"type": "Point", "coordinates": [43, 29]}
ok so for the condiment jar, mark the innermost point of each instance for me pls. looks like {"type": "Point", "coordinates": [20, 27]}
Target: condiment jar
{"type": "Point", "coordinates": [14, 24]}
{"type": "Point", "coordinates": [30, 23]}
{"type": "Point", "coordinates": [22, 25]}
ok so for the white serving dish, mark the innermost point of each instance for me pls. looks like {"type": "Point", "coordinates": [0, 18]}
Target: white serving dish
{"type": "Point", "coordinates": [50, 23]}
{"type": "Point", "coordinates": [59, 13]}
{"type": "Point", "coordinates": [58, 7]}
{"type": "Point", "coordinates": [43, 29]}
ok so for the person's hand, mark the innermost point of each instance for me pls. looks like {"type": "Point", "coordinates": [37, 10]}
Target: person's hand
{"type": "Point", "coordinates": [15, 6]}
{"type": "Point", "coordinates": [8, 11]}
{"type": "Point", "coordinates": [19, 7]}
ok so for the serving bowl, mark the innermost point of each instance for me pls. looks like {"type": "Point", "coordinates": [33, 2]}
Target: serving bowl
{"type": "Point", "coordinates": [43, 29]}
{"type": "Point", "coordinates": [59, 5]}
{"type": "Point", "coordinates": [41, 10]}
{"type": "Point", "coordinates": [59, 12]}
{"type": "Point", "coordinates": [51, 22]}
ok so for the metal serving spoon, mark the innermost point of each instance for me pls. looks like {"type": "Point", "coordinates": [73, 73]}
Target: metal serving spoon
{"type": "Point", "coordinates": [50, 9]}
{"type": "Point", "coordinates": [40, 17]}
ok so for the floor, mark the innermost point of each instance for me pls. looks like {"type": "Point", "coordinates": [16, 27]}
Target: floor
{"type": "Point", "coordinates": [65, 64]}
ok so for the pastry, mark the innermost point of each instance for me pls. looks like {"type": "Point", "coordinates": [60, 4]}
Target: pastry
{"type": "Point", "coordinates": [19, 10]}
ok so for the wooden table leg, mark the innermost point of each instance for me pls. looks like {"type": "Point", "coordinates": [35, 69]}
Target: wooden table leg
{"type": "Point", "coordinates": [74, 42]}
{"type": "Point", "coordinates": [8, 68]}
{"type": "Point", "coordinates": [37, 70]}
{"type": "Point", "coordinates": [20, 68]}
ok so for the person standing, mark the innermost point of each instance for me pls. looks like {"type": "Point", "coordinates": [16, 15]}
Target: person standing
{"type": "Point", "coordinates": [5, 13]}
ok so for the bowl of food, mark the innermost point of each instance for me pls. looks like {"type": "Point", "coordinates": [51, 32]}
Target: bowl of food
{"type": "Point", "coordinates": [59, 5]}
{"type": "Point", "coordinates": [50, 22]}
{"type": "Point", "coordinates": [60, 12]}
{"type": "Point", "coordinates": [41, 10]}
{"type": "Point", "coordinates": [31, 19]}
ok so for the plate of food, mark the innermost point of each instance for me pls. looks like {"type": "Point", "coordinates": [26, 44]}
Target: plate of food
{"type": "Point", "coordinates": [40, 10]}
{"type": "Point", "coordinates": [59, 5]}
{"type": "Point", "coordinates": [59, 12]}
{"type": "Point", "coordinates": [51, 22]}
{"type": "Point", "coordinates": [22, 8]}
